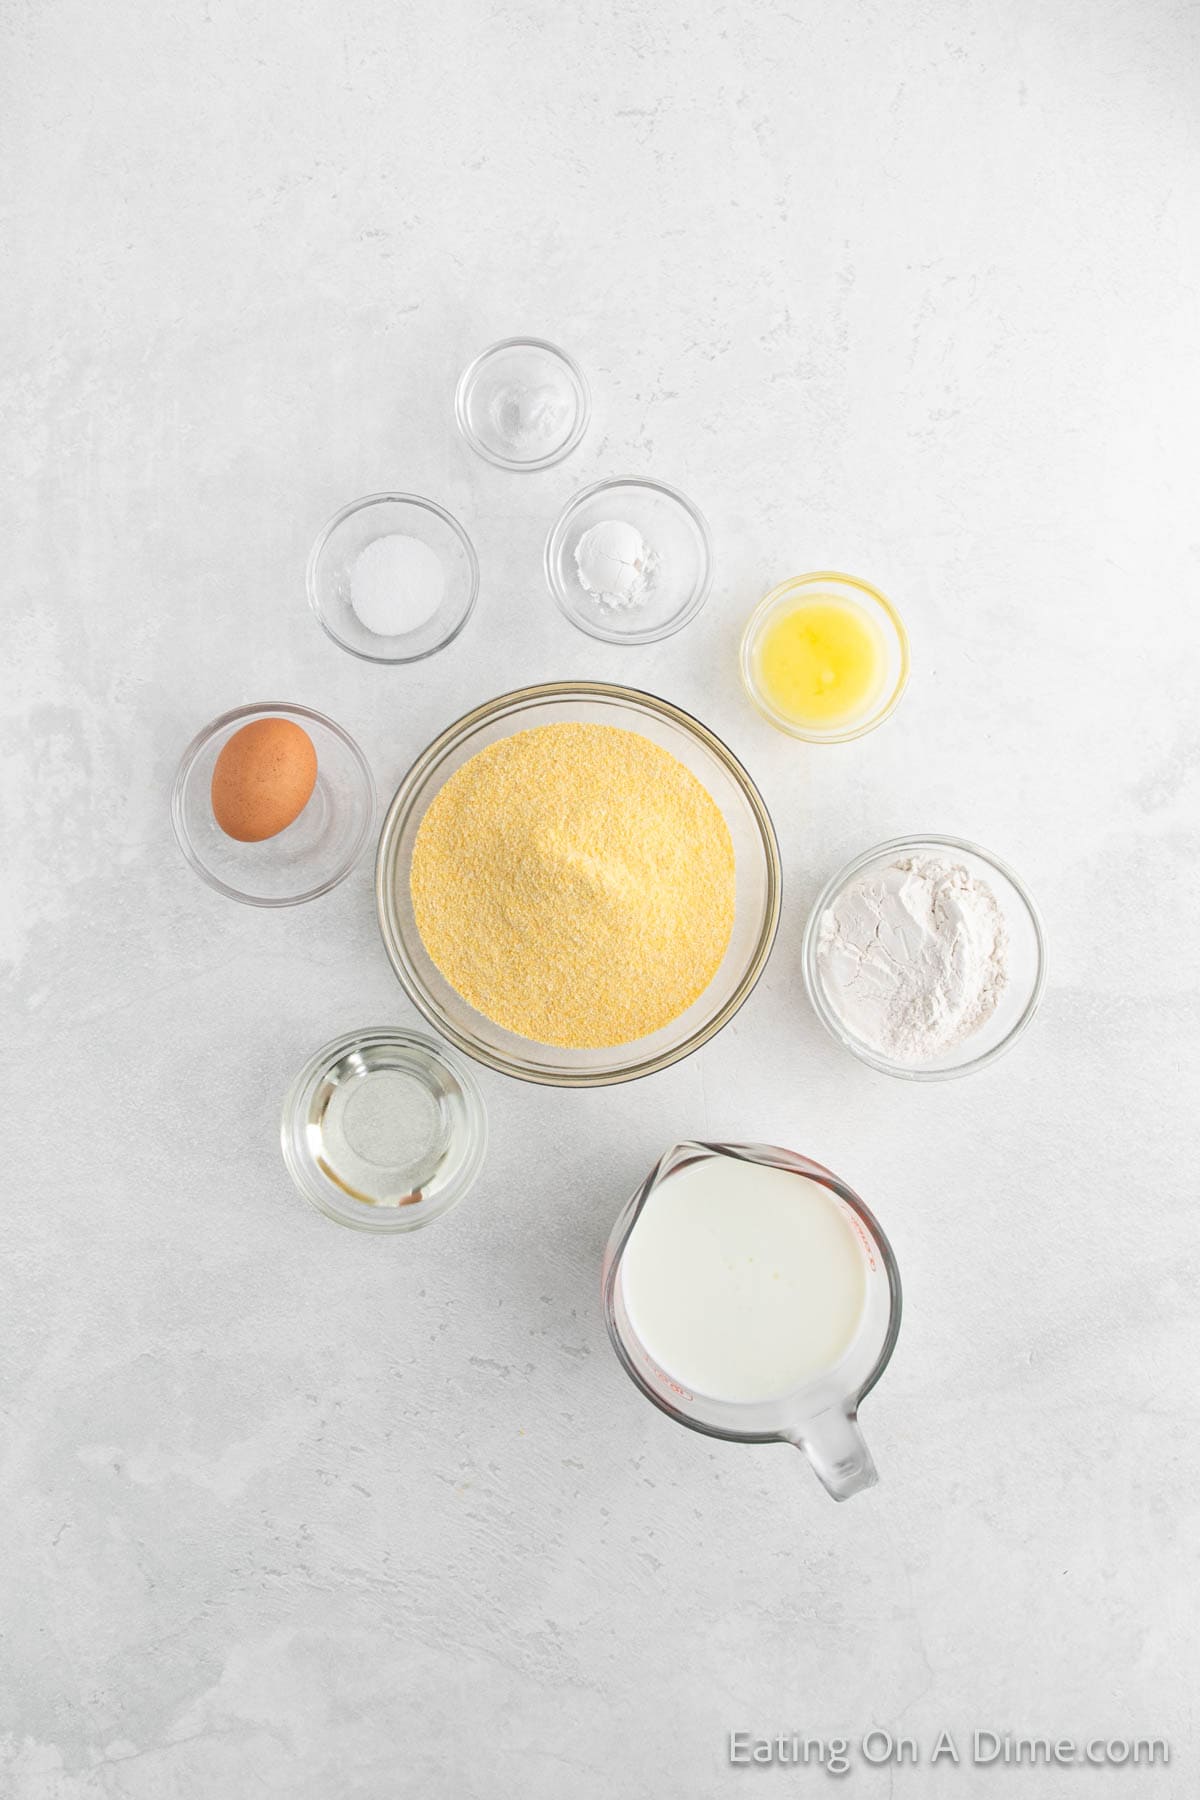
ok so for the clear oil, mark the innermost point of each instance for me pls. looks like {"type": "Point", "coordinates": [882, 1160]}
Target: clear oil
{"type": "Point", "coordinates": [381, 1125]}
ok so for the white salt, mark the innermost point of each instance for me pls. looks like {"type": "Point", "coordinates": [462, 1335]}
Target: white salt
{"type": "Point", "coordinates": [532, 419]}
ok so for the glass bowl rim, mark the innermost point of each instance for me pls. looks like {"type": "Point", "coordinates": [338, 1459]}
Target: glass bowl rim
{"type": "Point", "coordinates": [270, 709]}
{"type": "Point", "coordinates": [515, 701]}
{"type": "Point", "coordinates": [686, 613]}
{"type": "Point", "coordinates": [816, 993]}
{"type": "Point", "coordinates": [778, 594]}
{"type": "Point", "coordinates": [339, 518]}
{"type": "Point", "coordinates": [583, 405]}
{"type": "Point", "coordinates": [384, 1221]}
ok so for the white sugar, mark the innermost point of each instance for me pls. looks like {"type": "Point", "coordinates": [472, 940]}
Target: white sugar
{"type": "Point", "coordinates": [396, 585]}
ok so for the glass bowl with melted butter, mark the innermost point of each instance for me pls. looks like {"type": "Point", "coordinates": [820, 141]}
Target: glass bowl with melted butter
{"type": "Point", "coordinates": [825, 658]}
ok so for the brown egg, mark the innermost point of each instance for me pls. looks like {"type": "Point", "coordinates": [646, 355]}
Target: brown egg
{"type": "Point", "coordinates": [263, 779]}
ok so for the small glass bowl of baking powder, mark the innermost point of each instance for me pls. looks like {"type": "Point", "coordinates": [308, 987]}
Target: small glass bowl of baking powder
{"type": "Point", "coordinates": [629, 560]}
{"type": "Point", "coordinates": [392, 578]}
{"type": "Point", "coordinates": [1024, 958]}
{"type": "Point", "coordinates": [522, 404]}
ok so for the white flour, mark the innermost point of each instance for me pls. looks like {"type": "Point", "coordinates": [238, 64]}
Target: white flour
{"type": "Point", "coordinates": [912, 957]}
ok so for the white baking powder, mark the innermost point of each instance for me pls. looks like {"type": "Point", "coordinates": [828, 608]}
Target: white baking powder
{"type": "Point", "coordinates": [912, 957]}
{"type": "Point", "coordinates": [615, 563]}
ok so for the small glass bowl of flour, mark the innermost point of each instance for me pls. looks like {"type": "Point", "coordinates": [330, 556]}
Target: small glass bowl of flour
{"type": "Point", "coordinates": [392, 578]}
{"type": "Point", "coordinates": [926, 957]}
{"type": "Point", "coordinates": [522, 404]}
{"type": "Point", "coordinates": [629, 561]}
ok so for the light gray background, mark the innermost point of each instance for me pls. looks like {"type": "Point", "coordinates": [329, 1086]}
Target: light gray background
{"type": "Point", "coordinates": [904, 289]}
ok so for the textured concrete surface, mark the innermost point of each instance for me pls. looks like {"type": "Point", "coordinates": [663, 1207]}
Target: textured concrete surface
{"type": "Point", "coordinates": [904, 289]}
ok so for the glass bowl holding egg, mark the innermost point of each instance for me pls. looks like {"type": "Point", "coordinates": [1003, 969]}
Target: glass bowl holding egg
{"type": "Point", "coordinates": [273, 804]}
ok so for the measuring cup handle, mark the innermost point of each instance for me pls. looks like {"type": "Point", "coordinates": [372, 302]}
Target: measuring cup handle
{"type": "Point", "coordinates": [835, 1447]}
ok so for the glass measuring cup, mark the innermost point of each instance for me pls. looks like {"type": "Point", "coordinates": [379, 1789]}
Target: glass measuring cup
{"type": "Point", "coordinates": [821, 1416]}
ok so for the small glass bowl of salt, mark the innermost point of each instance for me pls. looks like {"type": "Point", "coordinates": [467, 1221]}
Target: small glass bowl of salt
{"type": "Point", "coordinates": [392, 578]}
{"type": "Point", "coordinates": [522, 404]}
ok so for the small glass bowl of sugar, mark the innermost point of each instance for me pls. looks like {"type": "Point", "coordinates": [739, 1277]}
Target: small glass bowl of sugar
{"type": "Point", "coordinates": [392, 578]}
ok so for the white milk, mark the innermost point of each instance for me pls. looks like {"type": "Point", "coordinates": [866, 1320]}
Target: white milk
{"type": "Point", "coordinates": [742, 1281]}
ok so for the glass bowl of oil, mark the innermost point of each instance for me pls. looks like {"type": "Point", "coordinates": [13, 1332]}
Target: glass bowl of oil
{"type": "Point", "coordinates": [825, 657]}
{"type": "Point", "coordinates": [384, 1130]}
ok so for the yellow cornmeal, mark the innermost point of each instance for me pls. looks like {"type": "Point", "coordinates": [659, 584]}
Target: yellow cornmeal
{"type": "Point", "coordinates": [574, 883]}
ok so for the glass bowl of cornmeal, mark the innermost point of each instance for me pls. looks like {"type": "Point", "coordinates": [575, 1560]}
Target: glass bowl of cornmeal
{"type": "Point", "coordinates": [578, 884]}
{"type": "Point", "coordinates": [825, 657]}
